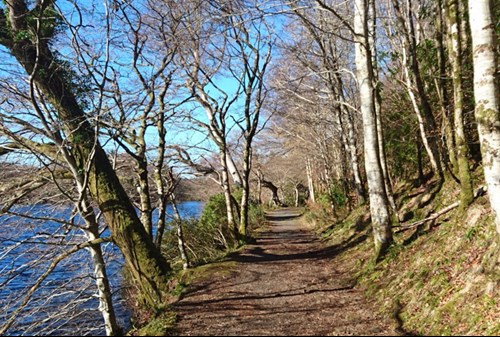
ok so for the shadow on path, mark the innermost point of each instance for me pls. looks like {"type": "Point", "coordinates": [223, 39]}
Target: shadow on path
{"type": "Point", "coordinates": [286, 283]}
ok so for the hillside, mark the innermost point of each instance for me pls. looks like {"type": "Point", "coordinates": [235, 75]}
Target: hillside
{"type": "Point", "coordinates": [441, 277]}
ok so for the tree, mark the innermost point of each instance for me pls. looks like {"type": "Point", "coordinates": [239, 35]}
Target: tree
{"type": "Point", "coordinates": [330, 69]}
{"type": "Point", "coordinates": [415, 84]}
{"type": "Point", "coordinates": [379, 206]}
{"type": "Point", "coordinates": [252, 48]}
{"type": "Point", "coordinates": [226, 44]}
{"type": "Point", "coordinates": [453, 16]}
{"type": "Point", "coordinates": [28, 34]}
{"type": "Point", "coordinates": [144, 100]}
{"type": "Point", "coordinates": [485, 55]}
{"type": "Point", "coordinates": [38, 236]}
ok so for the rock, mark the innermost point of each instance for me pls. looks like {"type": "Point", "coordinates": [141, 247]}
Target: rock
{"type": "Point", "coordinates": [474, 215]}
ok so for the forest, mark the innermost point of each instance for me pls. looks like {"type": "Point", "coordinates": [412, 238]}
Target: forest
{"type": "Point", "coordinates": [115, 113]}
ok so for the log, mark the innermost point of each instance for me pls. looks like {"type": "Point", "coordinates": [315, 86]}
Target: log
{"type": "Point", "coordinates": [479, 192]}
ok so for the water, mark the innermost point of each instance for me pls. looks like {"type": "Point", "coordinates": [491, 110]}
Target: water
{"type": "Point", "coordinates": [65, 303]}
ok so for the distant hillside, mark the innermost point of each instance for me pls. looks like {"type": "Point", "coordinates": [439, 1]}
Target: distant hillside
{"type": "Point", "coordinates": [197, 189]}
{"type": "Point", "coordinates": [15, 175]}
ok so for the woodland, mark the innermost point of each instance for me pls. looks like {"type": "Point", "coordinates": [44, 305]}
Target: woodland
{"type": "Point", "coordinates": [360, 111]}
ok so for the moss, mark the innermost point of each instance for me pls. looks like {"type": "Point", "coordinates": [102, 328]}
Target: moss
{"type": "Point", "coordinates": [207, 271]}
{"type": "Point", "coordinates": [158, 326]}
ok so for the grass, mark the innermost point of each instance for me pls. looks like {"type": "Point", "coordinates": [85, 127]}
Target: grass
{"type": "Point", "coordinates": [444, 281]}
{"type": "Point", "coordinates": [157, 326]}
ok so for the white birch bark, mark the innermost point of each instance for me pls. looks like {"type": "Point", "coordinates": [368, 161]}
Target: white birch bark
{"type": "Point", "coordinates": [379, 206]}
{"type": "Point", "coordinates": [233, 170]}
{"type": "Point", "coordinates": [103, 289]}
{"type": "Point", "coordinates": [486, 95]}
{"type": "Point", "coordinates": [104, 293]}
{"type": "Point", "coordinates": [310, 183]}
{"type": "Point", "coordinates": [227, 190]}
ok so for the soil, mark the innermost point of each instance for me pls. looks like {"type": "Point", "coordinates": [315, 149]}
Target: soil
{"type": "Point", "coordinates": [286, 283]}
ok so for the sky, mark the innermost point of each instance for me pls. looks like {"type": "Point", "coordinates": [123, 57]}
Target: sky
{"type": "Point", "coordinates": [85, 46]}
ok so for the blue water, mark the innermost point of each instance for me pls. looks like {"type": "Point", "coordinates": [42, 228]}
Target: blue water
{"type": "Point", "coordinates": [65, 303]}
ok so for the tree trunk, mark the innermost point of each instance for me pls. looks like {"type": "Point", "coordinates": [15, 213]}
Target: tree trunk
{"type": "Point", "coordinates": [310, 182]}
{"type": "Point", "coordinates": [346, 161]}
{"type": "Point", "coordinates": [274, 191]}
{"type": "Point", "coordinates": [379, 206]}
{"type": "Point", "coordinates": [145, 209]}
{"type": "Point", "coordinates": [466, 191]}
{"type": "Point", "coordinates": [92, 233]}
{"type": "Point", "coordinates": [382, 156]}
{"type": "Point", "coordinates": [260, 177]}
{"type": "Point", "coordinates": [160, 184]}
{"type": "Point", "coordinates": [443, 96]}
{"type": "Point", "coordinates": [358, 181]}
{"type": "Point", "coordinates": [245, 197]}
{"type": "Point", "coordinates": [486, 87]}
{"type": "Point", "coordinates": [372, 43]}
{"type": "Point", "coordinates": [233, 170]}
{"type": "Point", "coordinates": [297, 193]}
{"type": "Point", "coordinates": [104, 292]}
{"type": "Point", "coordinates": [180, 233]}
{"type": "Point", "coordinates": [148, 268]}
{"type": "Point", "coordinates": [227, 192]}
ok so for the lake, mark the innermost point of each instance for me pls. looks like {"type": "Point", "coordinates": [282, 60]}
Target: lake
{"type": "Point", "coordinates": [66, 302]}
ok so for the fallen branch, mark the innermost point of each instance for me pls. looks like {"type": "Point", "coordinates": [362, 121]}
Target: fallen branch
{"type": "Point", "coordinates": [479, 192]}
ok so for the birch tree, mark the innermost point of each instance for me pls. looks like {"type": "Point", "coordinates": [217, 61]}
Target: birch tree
{"type": "Point", "coordinates": [252, 49]}
{"type": "Point", "coordinates": [225, 44]}
{"type": "Point", "coordinates": [486, 86]}
{"type": "Point", "coordinates": [453, 17]}
{"type": "Point", "coordinates": [379, 206]}
{"type": "Point", "coordinates": [415, 86]}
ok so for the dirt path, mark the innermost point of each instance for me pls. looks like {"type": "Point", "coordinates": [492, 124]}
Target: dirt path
{"type": "Point", "coordinates": [285, 284]}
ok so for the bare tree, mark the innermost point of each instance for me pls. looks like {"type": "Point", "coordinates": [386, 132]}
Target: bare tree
{"type": "Point", "coordinates": [415, 85]}
{"type": "Point", "coordinates": [251, 48]}
{"type": "Point", "coordinates": [225, 44]}
{"type": "Point", "coordinates": [28, 35]}
{"type": "Point", "coordinates": [144, 101]}
{"type": "Point", "coordinates": [66, 245]}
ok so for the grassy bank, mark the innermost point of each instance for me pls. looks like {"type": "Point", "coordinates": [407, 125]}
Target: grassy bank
{"type": "Point", "coordinates": [440, 277]}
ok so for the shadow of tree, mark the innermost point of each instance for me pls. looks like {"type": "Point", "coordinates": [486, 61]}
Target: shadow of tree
{"type": "Point", "coordinates": [285, 281]}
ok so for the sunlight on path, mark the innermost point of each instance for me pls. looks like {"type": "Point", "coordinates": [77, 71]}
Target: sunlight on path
{"type": "Point", "coordinates": [284, 284]}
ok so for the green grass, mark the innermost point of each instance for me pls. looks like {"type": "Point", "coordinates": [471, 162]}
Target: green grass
{"type": "Point", "coordinates": [157, 326]}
